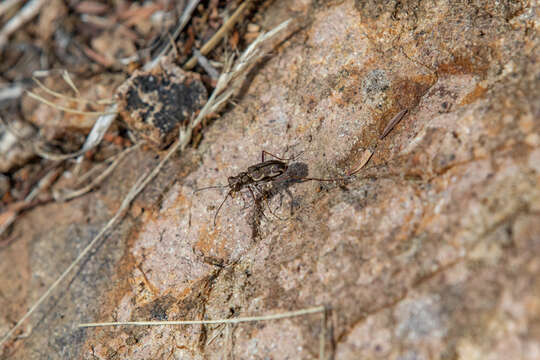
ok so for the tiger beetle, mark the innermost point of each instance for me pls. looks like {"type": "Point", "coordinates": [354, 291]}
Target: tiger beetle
{"type": "Point", "coordinates": [263, 172]}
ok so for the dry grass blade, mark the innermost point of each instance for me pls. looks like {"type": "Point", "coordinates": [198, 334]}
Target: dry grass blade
{"type": "Point", "coordinates": [7, 4]}
{"type": "Point", "coordinates": [313, 310]}
{"type": "Point", "coordinates": [92, 140]}
{"type": "Point", "coordinates": [229, 322]}
{"type": "Point", "coordinates": [184, 19]}
{"type": "Point", "coordinates": [69, 81]}
{"type": "Point", "coordinates": [71, 194]}
{"type": "Point", "coordinates": [38, 149]}
{"type": "Point", "coordinates": [26, 13]}
{"type": "Point", "coordinates": [98, 130]}
{"type": "Point", "coordinates": [74, 99]}
{"type": "Point", "coordinates": [63, 108]}
{"type": "Point", "coordinates": [223, 30]}
{"type": "Point", "coordinates": [249, 57]}
{"type": "Point", "coordinates": [232, 76]}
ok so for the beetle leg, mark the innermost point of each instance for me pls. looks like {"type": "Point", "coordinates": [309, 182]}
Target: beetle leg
{"type": "Point", "coordinates": [219, 208]}
{"type": "Point", "coordinates": [264, 198]}
{"type": "Point", "coordinates": [274, 156]}
{"type": "Point", "coordinates": [255, 199]}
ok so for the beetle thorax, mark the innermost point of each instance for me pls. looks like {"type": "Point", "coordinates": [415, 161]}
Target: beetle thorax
{"type": "Point", "coordinates": [237, 182]}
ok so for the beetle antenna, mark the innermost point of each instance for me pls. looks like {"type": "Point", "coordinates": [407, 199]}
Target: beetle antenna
{"type": "Point", "coordinates": [210, 187]}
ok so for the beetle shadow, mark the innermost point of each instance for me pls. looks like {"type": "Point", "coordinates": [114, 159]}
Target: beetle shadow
{"type": "Point", "coordinates": [280, 186]}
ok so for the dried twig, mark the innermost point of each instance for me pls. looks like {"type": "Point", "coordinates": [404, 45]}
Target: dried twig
{"type": "Point", "coordinates": [205, 64]}
{"type": "Point", "coordinates": [26, 13]}
{"type": "Point", "coordinates": [12, 91]}
{"type": "Point", "coordinates": [98, 130]}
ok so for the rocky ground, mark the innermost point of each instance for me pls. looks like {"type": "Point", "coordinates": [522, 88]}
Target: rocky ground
{"type": "Point", "coordinates": [431, 251]}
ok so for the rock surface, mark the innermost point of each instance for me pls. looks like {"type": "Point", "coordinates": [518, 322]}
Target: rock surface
{"type": "Point", "coordinates": [156, 103]}
{"type": "Point", "coordinates": [432, 251]}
